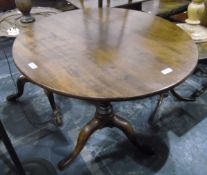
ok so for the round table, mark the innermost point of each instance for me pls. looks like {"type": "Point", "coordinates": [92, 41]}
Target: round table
{"type": "Point", "coordinates": [105, 55]}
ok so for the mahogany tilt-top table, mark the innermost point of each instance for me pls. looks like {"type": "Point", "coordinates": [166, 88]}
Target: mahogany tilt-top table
{"type": "Point", "coordinates": [105, 55]}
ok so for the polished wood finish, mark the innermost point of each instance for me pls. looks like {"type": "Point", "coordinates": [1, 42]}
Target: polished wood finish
{"type": "Point", "coordinates": [170, 7]}
{"type": "Point", "coordinates": [202, 47]}
{"type": "Point", "coordinates": [105, 3]}
{"type": "Point", "coordinates": [165, 8]}
{"type": "Point", "coordinates": [104, 54]}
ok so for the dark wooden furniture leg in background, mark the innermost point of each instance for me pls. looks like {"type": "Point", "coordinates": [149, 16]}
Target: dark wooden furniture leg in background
{"type": "Point", "coordinates": [104, 117]}
{"type": "Point", "coordinates": [4, 137]}
{"type": "Point", "coordinates": [201, 91]}
{"type": "Point", "coordinates": [127, 4]}
{"type": "Point", "coordinates": [182, 98]}
{"type": "Point", "coordinates": [20, 89]}
{"type": "Point", "coordinates": [154, 118]}
{"type": "Point", "coordinates": [56, 112]}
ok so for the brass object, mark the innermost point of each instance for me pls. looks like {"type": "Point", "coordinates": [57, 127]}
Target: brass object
{"type": "Point", "coordinates": [25, 7]}
{"type": "Point", "coordinates": [195, 12]}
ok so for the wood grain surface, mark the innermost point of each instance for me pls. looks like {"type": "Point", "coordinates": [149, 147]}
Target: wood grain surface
{"type": "Point", "coordinates": [105, 54]}
{"type": "Point", "coordinates": [165, 8]}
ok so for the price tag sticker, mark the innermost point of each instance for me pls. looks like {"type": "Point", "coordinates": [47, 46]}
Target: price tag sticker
{"type": "Point", "coordinates": [32, 65]}
{"type": "Point", "coordinates": [166, 71]}
{"type": "Point", "coordinates": [13, 31]}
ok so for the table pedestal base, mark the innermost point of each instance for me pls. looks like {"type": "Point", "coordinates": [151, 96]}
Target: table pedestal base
{"type": "Point", "coordinates": [20, 89]}
{"type": "Point", "coordinates": [104, 117]}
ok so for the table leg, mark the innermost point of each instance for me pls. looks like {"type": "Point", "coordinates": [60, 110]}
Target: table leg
{"type": "Point", "coordinates": [201, 91]}
{"type": "Point", "coordinates": [20, 88]}
{"type": "Point", "coordinates": [100, 3]}
{"type": "Point", "coordinates": [198, 93]}
{"type": "Point", "coordinates": [154, 117]}
{"type": "Point", "coordinates": [57, 115]}
{"type": "Point", "coordinates": [179, 97]}
{"type": "Point", "coordinates": [104, 117]}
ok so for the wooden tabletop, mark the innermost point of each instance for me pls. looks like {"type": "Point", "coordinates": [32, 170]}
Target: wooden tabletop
{"type": "Point", "coordinates": [105, 54]}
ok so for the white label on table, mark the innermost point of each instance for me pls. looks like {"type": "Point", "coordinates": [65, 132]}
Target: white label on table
{"type": "Point", "coordinates": [13, 31]}
{"type": "Point", "coordinates": [32, 65]}
{"type": "Point", "coordinates": [166, 71]}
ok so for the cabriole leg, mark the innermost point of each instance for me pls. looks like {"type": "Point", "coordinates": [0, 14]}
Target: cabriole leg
{"type": "Point", "coordinates": [57, 115]}
{"type": "Point", "coordinates": [104, 117]}
{"type": "Point", "coordinates": [20, 88]}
